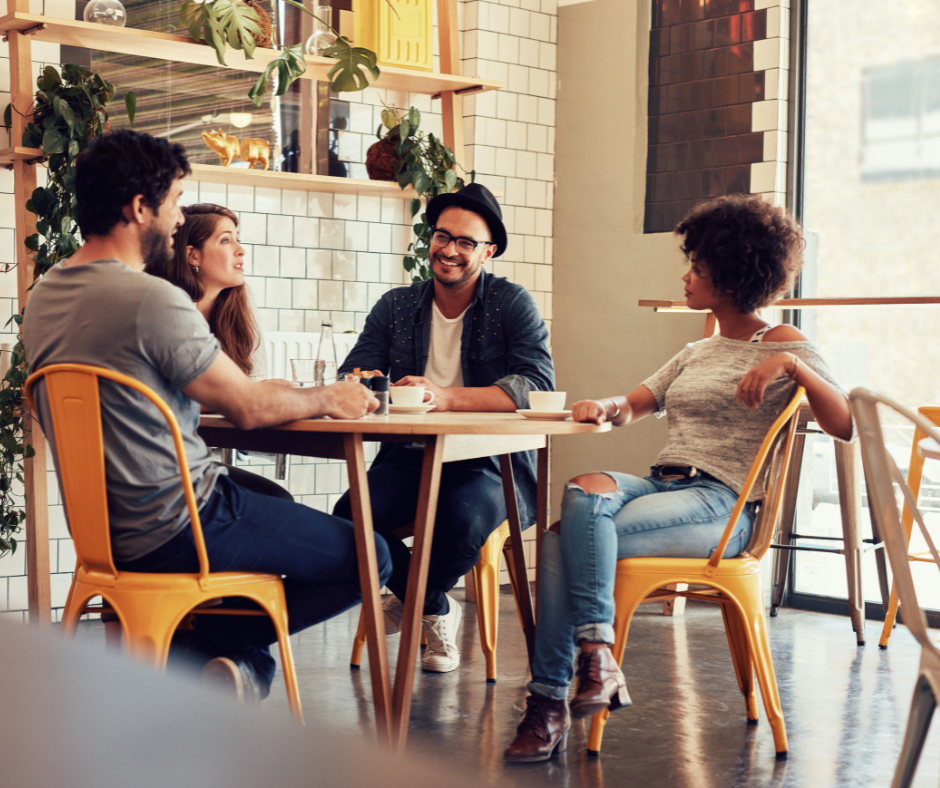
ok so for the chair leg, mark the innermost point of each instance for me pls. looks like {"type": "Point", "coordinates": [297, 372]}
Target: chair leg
{"type": "Point", "coordinates": [918, 723]}
{"type": "Point", "coordinates": [355, 659]}
{"type": "Point", "coordinates": [890, 618]}
{"type": "Point", "coordinates": [287, 665]}
{"type": "Point", "coordinates": [850, 504]}
{"type": "Point", "coordinates": [621, 629]}
{"type": "Point", "coordinates": [736, 631]}
{"type": "Point", "coordinates": [747, 591]}
{"type": "Point", "coordinates": [486, 585]}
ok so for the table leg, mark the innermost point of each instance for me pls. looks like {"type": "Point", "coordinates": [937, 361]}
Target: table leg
{"type": "Point", "coordinates": [417, 582]}
{"type": "Point", "coordinates": [369, 578]}
{"type": "Point", "coordinates": [518, 555]}
{"type": "Point", "coordinates": [850, 503]}
{"type": "Point", "coordinates": [783, 559]}
{"type": "Point", "coordinates": [541, 518]}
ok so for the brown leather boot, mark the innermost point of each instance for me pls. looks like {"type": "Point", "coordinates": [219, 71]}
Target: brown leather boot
{"type": "Point", "coordinates": [601, 684]}
{"type": "Point", "coordinates": [542, 732]}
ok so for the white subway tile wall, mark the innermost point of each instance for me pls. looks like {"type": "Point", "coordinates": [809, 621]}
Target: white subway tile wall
{"type": "Point", "coordinates": [313, 257]}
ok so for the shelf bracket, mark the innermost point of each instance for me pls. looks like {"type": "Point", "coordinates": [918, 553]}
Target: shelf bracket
{"type": "Point", "coordinates": [28, 31]}
{"type": "Point", "coordinates": [462, 91]}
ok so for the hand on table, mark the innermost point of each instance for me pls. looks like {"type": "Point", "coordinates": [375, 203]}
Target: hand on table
{"type": "Point", "coordinates": [589, 411]}
{"type": "Point", "coordinates": [754, 383]}
{"type": "Point", "coordinates": [346, 400]}
{"type": "Point", "coordinates": [441, 395]}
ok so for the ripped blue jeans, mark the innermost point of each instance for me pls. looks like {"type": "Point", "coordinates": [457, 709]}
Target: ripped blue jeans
{"type": "Point", "coordinates": [642, 517]}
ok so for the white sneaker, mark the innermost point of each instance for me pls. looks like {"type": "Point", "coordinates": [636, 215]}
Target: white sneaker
{"type": "Point", "coordinates": [441, 655]}
{"type": "Point", "coordinates": [393, 610]}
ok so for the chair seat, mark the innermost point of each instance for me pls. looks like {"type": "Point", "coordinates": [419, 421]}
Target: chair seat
{"type": "Point", "coordinates": [157, 581]}
{"type": "Point", "coordinates": [685, 568]}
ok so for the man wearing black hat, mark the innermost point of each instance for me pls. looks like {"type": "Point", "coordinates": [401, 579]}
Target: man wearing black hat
{"type": "Point", "coordinates": [478, 343]}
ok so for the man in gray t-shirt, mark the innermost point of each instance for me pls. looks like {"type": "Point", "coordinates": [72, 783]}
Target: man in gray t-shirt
{"type": "Point", "coordinates": [99, 307]}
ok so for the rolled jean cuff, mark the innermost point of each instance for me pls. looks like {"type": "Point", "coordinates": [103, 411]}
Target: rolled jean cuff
{"type": "Point", "coordinates": [547, 690]}
{"type": "Point", "coordinates": [595, 633]}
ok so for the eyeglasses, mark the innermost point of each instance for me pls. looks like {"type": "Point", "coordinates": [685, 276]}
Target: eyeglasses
{"type": "Point", "coordinates": [464, 245]}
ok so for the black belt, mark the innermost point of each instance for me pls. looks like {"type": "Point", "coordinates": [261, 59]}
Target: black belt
{"type": "Point", "coordinates": [671, 473]}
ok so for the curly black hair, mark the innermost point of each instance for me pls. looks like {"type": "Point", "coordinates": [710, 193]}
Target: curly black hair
{"type": "Point", "coordinates": [753, 249]}
{"type": "Point", "coordinates": [118, 166]}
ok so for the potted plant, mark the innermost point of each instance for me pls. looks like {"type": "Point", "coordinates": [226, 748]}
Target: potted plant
{"type": "Point", "coordinates": [419, 160]}
{"type": "Point", "coordinates": [238, 24]}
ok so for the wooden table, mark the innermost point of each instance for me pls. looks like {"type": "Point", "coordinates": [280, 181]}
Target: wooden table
{"type": "Point", "coordinates": [448, 437]}
{"type": "Point", "coordinates": [929, 449]}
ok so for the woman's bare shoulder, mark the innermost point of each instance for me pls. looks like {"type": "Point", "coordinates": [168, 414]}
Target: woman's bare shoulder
{"type": "Point", "coordinates": [784, 333]}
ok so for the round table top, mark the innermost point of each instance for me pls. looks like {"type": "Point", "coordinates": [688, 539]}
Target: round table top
{"type": "Point", "coordinates": [929, 449]}
{"type": "Point", "coordinates": [432, 424]}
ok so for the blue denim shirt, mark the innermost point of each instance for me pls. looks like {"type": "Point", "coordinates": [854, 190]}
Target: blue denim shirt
{"type": "Point", "coordinates": [504, 343]}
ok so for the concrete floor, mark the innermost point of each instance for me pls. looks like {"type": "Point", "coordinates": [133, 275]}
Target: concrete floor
{"type": "Point", "coordinates": [845, 706]}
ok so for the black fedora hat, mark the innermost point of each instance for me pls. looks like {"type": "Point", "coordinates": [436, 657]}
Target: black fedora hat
{"type": "Point", "coordinates": [477, 198]}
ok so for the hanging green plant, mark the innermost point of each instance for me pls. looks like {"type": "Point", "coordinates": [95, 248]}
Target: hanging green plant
{"type": "Point", "coordinates": [68, 112]}
{"type": "Point", "coordinates": [237, 24]}
{"type": "Point", "coordinates": [425, 163]}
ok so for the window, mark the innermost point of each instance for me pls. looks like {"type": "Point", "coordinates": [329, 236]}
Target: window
{"type": "Point", "coordinates": [901, 121]}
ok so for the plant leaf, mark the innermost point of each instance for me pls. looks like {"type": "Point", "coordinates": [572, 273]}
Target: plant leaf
{"type": "Point", "coordinates": [450, 178]}
{"type": "Point", "coordinates": [238, 21]}
{"type": "Point", "coordinates": [130, 104]}
{"type": "Point", "coordinates": [289, 64]}
{"type": "Point", "coordinates": [347, 75]}
{"type": "Point", "coordinates": [415, 206]}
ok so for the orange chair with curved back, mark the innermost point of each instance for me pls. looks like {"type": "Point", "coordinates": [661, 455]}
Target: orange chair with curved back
{"type": "Point", "coordinates": [150, 606]}
{"type": "Point", "coordinates": [734, 583]}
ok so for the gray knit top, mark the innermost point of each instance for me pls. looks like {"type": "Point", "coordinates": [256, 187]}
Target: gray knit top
{"type": "Point", "coordinates": [708, 428]}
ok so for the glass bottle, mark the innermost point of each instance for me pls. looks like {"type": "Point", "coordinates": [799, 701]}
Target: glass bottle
{"type": "Point", "coordinates": [323, 36]}
{"type": "Point", "coordinates": [106, 12]}
{"type": "Point", "coordinates": [326, 366]}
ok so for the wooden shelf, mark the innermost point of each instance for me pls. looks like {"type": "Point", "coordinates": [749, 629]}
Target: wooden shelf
{"type": "Point", "coordinates": [295, 180]}
{"type": "Point", "coordinates": [10, 155]}
{"type": "Point", "coordinates": [807, 303]}
{"type": "Point", "coordinates": [165, 46]}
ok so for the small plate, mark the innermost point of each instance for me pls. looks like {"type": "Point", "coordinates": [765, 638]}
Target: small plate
{"type": "Point", "coordinates": [410, 408]}
{"type": "Point", "coordinates": [545, 415]}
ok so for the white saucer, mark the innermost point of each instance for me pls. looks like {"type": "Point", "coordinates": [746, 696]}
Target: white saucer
{"type": "Point", "coordinates": [545, 415]}
{"type": "Point", "coordinates": [410, 408]}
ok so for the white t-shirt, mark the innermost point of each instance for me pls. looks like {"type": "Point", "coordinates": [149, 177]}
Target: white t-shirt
{"type": "Point", "coordinates": [444, 354]}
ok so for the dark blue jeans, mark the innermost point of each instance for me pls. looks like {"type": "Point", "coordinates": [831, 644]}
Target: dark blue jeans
{"type": "Point", "coordinates": [249, 532]}
{"type": "Point", "coordinates": [469, 508]}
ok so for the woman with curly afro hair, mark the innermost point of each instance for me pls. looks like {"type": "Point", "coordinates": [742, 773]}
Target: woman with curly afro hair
{"type": "Point", "coordinates": [720, 396]}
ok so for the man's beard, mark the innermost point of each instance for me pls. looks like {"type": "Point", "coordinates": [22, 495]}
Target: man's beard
{"type": "Point", "coordinates": [452, 284]}
{"type": "Point", "coordinates": [155, 247]}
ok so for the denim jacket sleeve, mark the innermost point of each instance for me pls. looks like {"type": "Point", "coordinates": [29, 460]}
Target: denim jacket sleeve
{"type": "Point", "coordinates": [530, 362]}
{"type": "Point", "coordinates": [371, 350]}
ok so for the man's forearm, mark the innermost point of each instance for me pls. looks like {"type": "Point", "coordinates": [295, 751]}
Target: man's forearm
{"type": "Point", "coordinates": [489, 399]}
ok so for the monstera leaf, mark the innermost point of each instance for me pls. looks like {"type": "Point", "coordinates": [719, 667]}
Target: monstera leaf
{"type": "Point", "coordinates": [222, 21]}
{"type": "Point", "coordinates": [347, 76]}
{"type": "Point", "coordinates": [289, 65]}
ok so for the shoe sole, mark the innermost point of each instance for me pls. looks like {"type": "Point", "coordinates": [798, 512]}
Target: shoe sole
{"type": "Point", "coordinates": [558, 749]}
{"type": "Point", "coordinates": [619, 700]}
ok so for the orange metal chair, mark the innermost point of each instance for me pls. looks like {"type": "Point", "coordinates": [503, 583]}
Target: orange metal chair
{"type": "Point", "coordinates": [150, 606]}
{"type": "Point", "coordinates": [915, 473]}
{"type": "Point", "coordinates": [486, 584]}
{"type": "Point", "coordinates": [734, 583]}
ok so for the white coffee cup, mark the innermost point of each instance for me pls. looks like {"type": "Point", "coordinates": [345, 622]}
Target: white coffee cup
{"type": "Point", "coordinates": [547, 401]}
{"type": "Point", "coordinates": [410, 396]}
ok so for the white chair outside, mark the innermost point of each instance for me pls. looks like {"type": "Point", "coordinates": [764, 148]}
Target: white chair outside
{"type": "Point", "coordinates": [882, 473]}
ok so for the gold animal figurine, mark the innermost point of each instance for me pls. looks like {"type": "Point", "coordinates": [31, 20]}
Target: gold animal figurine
{"type": "Point", "coordinates": [255, 150]}
{"type": "Point", "coordinates": [223, 144]}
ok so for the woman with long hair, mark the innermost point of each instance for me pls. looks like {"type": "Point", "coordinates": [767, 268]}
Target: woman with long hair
{"type": "Point", "coordinates": [208, 263]}
{"type": "Point", "coordinates": [721, 395]}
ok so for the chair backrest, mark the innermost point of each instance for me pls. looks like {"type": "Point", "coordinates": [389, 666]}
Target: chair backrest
{"type": "Point", "coordinates": [281, 346]}
{"type": "Point", "coordinates": [771, 464]}
{"type": "Point", "coordinates": [74, 404]}
{"type": "Point", "coordinates": [881, 474]}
